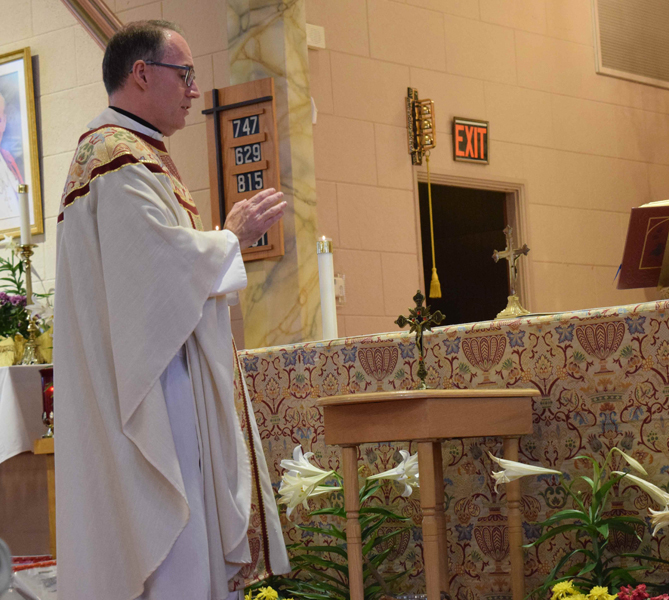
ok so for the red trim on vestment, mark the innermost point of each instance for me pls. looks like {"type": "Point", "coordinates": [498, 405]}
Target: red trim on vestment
{"type": "Point", "coordinates": [147, 138]}
{"type": "Point", "coordinates": [256, 473]}
{"type": "Point", "coordinates": [119, 161]}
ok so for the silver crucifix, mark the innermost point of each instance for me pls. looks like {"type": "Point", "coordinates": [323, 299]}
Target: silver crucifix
{"type": "Point", "coordinates": [511, 255]}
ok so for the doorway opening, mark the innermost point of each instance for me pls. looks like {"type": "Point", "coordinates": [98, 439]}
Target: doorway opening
{"type": "Point", "coordinates": [468, 228]}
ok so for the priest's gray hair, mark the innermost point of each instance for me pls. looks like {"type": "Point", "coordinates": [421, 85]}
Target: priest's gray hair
{"type": "Point", "coordinates": [140, 40]}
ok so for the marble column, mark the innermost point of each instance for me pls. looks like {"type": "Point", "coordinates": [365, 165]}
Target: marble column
{"type": "Point", "coordinates": [268, 39]}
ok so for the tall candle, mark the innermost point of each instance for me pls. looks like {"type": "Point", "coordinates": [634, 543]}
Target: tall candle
{"type": "Point", "coordinates": [24, 214]}
{"type": "Point", "coordinates": [326, 280]}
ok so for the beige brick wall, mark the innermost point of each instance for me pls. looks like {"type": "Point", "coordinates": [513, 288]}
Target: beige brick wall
{"type": "Point", "coordinates": [590, 147]}
{"type": "Point", "coordinates": [585, 147]}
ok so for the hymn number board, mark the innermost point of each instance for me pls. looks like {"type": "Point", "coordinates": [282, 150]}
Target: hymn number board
{"type": "Point", "coordinates": [244, 154]}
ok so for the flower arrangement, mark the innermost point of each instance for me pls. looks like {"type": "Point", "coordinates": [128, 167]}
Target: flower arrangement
{"type": "Point", "coordinates": [565, 590]}
{"type": "Point", "coordinates": [321, 569]}
{"type": "Point", "coordinates": [16, 311]}
{"type": "Point", "coordinates": [591, 564]}
{"type": "Point", "coordinates": [264, 593]}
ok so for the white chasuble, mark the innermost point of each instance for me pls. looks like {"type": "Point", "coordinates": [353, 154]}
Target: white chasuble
{"type": "Point", "coordinates": [136, 282]}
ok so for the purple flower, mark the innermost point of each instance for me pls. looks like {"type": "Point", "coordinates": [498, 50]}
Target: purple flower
{"type": "Point", "coordinates": [18, 300]}
{"type": "Point", "coordinates": [4, 297]}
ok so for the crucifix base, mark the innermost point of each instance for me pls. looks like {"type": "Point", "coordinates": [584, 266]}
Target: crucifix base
{"type": "Point", "coordinates": [513, 309]}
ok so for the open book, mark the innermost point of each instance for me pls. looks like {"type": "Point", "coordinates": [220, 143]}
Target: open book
{"type": "Point", "coordinates": [645, 247]}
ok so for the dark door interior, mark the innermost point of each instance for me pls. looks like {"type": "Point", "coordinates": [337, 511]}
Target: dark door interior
{"type": "Point", "coordinates": [468, 227]}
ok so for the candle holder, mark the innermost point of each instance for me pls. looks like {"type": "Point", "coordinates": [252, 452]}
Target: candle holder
{"type": "Point", "coordinates": [47, 400]}
{"type": "Point", "coordinates": [30, 356]}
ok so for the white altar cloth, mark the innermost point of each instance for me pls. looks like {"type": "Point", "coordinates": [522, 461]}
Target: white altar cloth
{"type": "Point", "coordinates": [20, 409]}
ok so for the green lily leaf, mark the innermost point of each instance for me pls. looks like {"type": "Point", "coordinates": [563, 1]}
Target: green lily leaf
{"type": "Point", "coordinates": [553, 532]}
{"type": "Point", "coordinates": [331, 531]}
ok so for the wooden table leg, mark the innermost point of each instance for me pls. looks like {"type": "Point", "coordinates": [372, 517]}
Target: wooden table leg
{"type": "Point", "coordinates": [429, 501]}
{"type": "Point", "coordinates": [353, 533]}
{"type": "Point", "coordinates": [515, 525]}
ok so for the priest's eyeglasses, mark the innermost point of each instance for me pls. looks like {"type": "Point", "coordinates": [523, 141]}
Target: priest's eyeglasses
{"type": "Point", "coordinates": [189, 77]}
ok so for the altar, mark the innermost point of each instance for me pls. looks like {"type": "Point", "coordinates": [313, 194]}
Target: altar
{"type": "Point", "coordinates": [603, 379]}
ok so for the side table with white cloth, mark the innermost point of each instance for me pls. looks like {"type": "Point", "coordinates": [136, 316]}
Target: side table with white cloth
{"type": "Point", "coordinates": [24, 516]}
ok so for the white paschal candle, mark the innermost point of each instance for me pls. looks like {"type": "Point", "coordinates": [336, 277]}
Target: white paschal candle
{"type": "Point", "coordinates": [24, 214]}
{"type": "Point", "coordinates": [327, 285]}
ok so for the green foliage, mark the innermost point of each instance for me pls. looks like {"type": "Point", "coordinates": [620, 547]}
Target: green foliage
{"type": "Point", "coordinates": [592, 562]}
{"type": "Point", "coordinates": [13, 314]}
{"type": "Point", "coordinates": [320, 572]}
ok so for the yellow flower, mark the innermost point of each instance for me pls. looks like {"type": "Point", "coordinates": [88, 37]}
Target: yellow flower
{"type": "Point", "coordinates": [564, 589]}
{"type": "Point", "coordinates": [600, 593]}
{"type": "Point", "coordinates": [249, 596]}
{"type": "Point", "coordinates": [267, 593]}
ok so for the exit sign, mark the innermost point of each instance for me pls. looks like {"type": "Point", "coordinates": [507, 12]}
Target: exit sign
{"type": "Point", "coordinates": [470, 140]}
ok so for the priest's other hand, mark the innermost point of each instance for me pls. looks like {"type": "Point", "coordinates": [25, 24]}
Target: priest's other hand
{"type": "Point", "coordinates": [250, 219]}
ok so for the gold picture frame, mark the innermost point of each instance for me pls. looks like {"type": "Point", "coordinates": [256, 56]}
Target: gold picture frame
{"type": "Point", "coordinates": [19, 155]}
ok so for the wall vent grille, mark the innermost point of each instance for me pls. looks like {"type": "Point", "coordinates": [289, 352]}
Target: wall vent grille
{"type": "Point", "coordinates": [632, 40]}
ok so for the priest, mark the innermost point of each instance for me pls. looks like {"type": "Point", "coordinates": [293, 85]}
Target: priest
{"type": "Point", "coordinates": [160, 476]}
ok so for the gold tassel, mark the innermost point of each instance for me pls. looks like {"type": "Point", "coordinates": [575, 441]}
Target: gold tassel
{"type": "Point", "coordinates": [435, 286]}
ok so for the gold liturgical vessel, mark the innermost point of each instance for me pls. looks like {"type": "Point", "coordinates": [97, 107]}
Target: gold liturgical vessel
{"type": "Point", "coordinates": [513, 308]}
{"type": "Point", "coordinates": [422, 137]}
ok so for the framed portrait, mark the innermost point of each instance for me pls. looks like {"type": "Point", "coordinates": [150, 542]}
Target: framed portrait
{"type": "Point", "coordinates": [19, 158]}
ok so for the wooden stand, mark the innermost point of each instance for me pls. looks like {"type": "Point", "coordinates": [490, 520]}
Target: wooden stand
{"type": "Point", "coordinates": [427, 417]}
{"type": "Point", "coordinates": [45, 446]}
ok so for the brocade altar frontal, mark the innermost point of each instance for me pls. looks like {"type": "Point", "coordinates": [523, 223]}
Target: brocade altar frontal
{"type": "Point", "coordinates": [603, 375]}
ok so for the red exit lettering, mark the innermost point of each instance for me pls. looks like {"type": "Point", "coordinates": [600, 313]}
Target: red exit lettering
{"type": "Point", "coordinates": [470, 141]}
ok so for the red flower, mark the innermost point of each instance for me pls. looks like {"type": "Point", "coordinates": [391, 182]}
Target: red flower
{"type": "Point", "coordinates": [638, 593]}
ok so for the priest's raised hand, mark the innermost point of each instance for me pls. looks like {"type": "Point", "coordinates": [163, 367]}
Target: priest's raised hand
{"type": "Point", "coordinates": [250, 219]}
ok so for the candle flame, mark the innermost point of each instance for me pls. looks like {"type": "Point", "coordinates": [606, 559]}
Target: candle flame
{"type": "Point", "coordinates": [217, 228]}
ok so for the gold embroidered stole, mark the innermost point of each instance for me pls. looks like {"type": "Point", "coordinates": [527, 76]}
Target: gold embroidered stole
{"type": "Point", "coordinates": [109, 148]}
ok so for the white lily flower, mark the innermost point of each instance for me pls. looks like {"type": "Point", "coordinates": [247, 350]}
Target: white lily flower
{"type": "Point", "coordinates": [406, 472]}
{"type": "Point", "coordinates": [635, 464]}
{"type": "Point", "coordinates": [41, 307]}
{"type": "Point", "coordinates": [10, 243]}
{"type": "Point", "coordinates": [296, 489]}
{"type": "Point", "coordinates": [300, 464]}
{"type": "Point", "coordinates": [656, 493]}
{"type": "Point", "coordinates": [514, 470]}
{"type": "Point", "coordinates": [659, 518]}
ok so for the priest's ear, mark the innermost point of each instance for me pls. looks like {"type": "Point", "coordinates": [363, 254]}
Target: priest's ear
{"type": "Point", "coordinates": [139, 73]}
